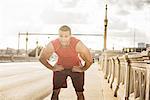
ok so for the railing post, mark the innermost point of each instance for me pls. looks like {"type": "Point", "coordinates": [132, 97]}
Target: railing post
{"type": "Point", "coordinates": [127, 77]}
{"type": "Point", "coordinates": [118, 76]}
{"type": "Point", "coordinates": [101, 64]}
{"type": "Point", "coordinates": [148, 84]}
{"type": "Point", "coordinates": [105, 66]}
{"type": "Point", "coordinates": [109, 69]}
{"type": "Point", "coordinates": [113, 72]}
{"type": "Point", "coordinates": [12, 58]}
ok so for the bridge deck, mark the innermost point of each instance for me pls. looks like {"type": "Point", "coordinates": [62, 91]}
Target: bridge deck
{"type": "Point", "coordinates": [33, 81]}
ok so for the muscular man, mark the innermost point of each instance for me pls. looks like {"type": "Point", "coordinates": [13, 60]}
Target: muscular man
{"type": "Point", "coordinates": [69, 51]}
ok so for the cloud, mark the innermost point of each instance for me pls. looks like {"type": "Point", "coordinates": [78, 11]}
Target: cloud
{"type": "Point", "coordinates": [68, 3]}
{"type": "Point", "coordinates": [70, 12]}
{"type": "Point", "coordinates": [137, 4]}
{"type": "Point", "coordinates": [59, 17]}
{"type": "Point", "coordinates": [123, 12]}
{"type": "Point", "coordinates": [115, 23]}
{"type": "Point", "coordinates": [130, 33]}
{"type": "Point", "coordinates": [126, 7]}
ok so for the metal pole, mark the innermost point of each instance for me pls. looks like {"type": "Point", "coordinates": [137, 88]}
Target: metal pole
{"type": "Point", "coordinates": [27, 43]}
{"type": "Point", "coordinates": [18, 42]}
{"type": "Point", "coordinates": [134, 37]}
{"type": "Point", "coordinates": [36, 51]}
{"type": "Point", "coordinates": [105, 29]}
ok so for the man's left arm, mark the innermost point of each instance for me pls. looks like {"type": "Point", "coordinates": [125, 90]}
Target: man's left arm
{"type": "Point", "coordinates": [85, 55]}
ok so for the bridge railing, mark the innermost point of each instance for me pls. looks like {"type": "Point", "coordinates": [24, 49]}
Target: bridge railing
{"type": "Point", "coordinates": [15, 58]}
{"type": "Point", "coordinates": [128, 74]}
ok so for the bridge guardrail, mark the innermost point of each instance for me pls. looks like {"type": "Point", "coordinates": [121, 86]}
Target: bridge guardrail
{"type": "Point", "coordinates": [15, 58]}
{"type": "Point", "coordinates": [129, 73]}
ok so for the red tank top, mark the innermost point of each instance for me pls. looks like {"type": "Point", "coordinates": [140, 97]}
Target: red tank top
{"type": "Point", "coordinates": [67, 57]}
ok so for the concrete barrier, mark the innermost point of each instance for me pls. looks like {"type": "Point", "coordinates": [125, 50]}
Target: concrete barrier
{"type": "Point", "coordinates": [128, 75]}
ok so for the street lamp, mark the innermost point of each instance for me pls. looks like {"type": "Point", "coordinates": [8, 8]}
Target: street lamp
{"type": "Point", "coordinates": [105, 28]}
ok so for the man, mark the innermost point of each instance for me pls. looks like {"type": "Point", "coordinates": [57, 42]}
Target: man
{"type": "Point", "coordinates": [68, 50]}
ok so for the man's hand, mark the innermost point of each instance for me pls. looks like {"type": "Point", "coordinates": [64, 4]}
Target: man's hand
{"type": "Point", "coordinates": [77, 69]}
{"type": "Point", "coordinates": [57, 68]}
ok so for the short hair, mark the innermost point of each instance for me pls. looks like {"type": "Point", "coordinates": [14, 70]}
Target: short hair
{"type": "Point", "coordinates": [65, 28]}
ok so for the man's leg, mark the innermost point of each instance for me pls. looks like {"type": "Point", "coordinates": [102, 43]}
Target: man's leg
{"type": "Point", "coordinates": [59, 81]}
{"type": "Point", "coordinates": [55, 95]}
{"type": "Point", "coordinates": [80, 96]}
{"type": "Point", "coordinates": [78, 83]}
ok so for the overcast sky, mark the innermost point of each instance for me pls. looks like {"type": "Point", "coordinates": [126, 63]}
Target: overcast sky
{"type": "Point", "coordinates": [125, 17]}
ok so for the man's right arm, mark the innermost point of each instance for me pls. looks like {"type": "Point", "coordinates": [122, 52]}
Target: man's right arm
{"type": "Point", "coordinates": [45, 55]}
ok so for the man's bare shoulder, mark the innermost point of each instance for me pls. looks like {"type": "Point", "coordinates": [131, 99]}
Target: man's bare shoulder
{"type": "Point", "coordinates": [80, 47]}
{"type": "Point", "coordinates": [49, 47]}
{"type": "Point", "coordinates": [47, 51]}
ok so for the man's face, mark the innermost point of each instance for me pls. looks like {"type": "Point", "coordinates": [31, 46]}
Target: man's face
{"type": "Point", "coordinates": [64, 37]}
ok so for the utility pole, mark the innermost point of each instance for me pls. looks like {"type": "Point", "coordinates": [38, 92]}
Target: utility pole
{"type": "Point", "coordinates": [36, 50]}
{"type": "Point", "coordinates": [134, 37]}
{"type": "Point", "coordinates": [18, 42]}
{"type": "Point", "coordinates": [26, 43]}
{"type": "Point", "coordinates": [105, 29]}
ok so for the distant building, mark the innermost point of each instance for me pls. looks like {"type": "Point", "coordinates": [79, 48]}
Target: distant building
{"type": "Point", "coordinates": [126, 50]}
{"type": "Point", "coordinates": [147, 45]}
{"type": "Point", "coordinates": [2, 51]}
{"type": "Point", "coordinates": [141, 45]}
{"type": "Point", "coordinates": [8, 51]}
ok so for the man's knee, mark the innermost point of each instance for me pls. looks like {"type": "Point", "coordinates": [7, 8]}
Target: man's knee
{"type": "Point", "coordinates": [80, 96]}
{"type": "Point", "coordinates": [79, 93]}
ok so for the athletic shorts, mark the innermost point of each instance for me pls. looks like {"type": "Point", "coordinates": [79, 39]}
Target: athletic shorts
{"type": "Point", "coordinates": [60, 79]}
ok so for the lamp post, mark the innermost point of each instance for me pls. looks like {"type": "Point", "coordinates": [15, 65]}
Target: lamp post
{"type": "Point", "coordinates": [105, 29]}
